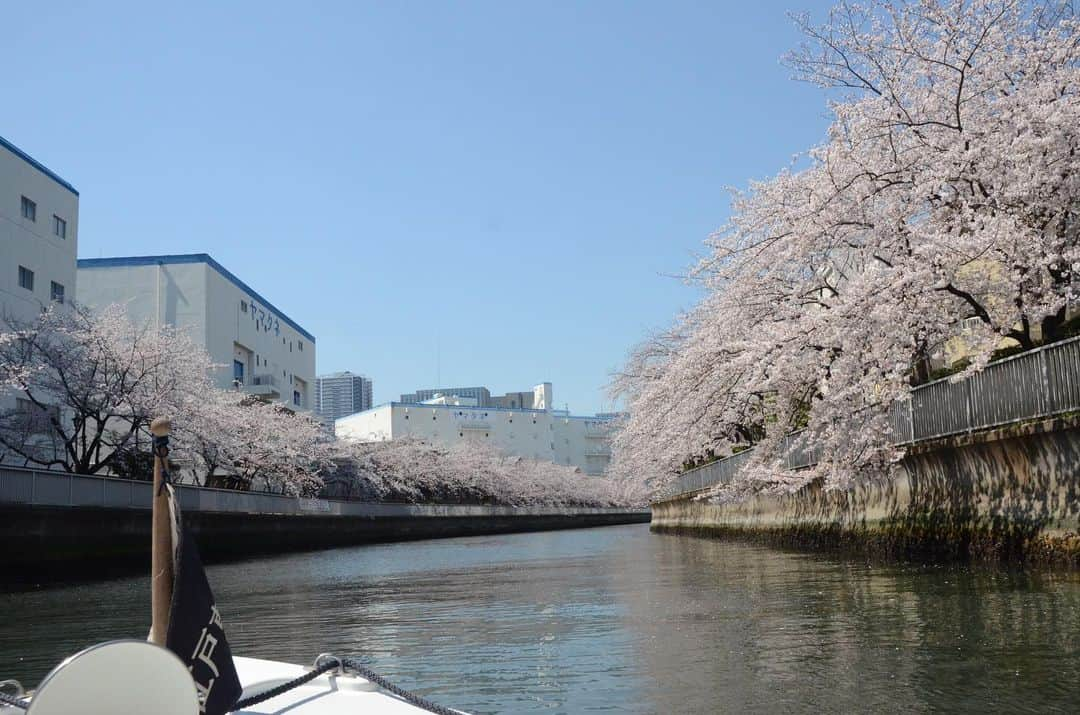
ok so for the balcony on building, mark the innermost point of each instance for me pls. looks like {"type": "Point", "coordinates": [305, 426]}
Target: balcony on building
{"type": "Point", "coordinates": [265, 386]}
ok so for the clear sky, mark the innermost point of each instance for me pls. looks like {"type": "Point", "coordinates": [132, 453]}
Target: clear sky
{"type": "Point", "coordinates": [494, 193]}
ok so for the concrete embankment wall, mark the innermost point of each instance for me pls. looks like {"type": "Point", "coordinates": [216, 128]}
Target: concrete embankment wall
{"type": "Point", "coordinates": [57, 526]}
{"type": "Point", "coordinates": [1011, 494]}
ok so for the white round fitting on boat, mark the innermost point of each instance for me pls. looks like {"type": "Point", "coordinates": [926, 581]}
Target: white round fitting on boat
{"type": "Point", "coordinates": [124, 676]}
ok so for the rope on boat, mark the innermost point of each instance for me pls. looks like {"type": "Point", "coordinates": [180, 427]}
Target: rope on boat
{"type": "Point", "coordinates": [325, 663]}
{"type": "Point", "coordinates": [285, 687]}
{"type": "Point", "coordinates": [13, 701]}
{"type": "Point", "coordinates": [355, 666]}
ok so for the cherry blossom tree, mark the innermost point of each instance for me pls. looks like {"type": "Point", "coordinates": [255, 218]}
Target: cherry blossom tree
{"type": "Point", "coordinates": [947, 189]}
{"type": "Point", "coordinates": [476, 473]}
{"type": "Point", "coordinates": [253, 443]}
{"type": "Point", "coordinates": [86, 385]}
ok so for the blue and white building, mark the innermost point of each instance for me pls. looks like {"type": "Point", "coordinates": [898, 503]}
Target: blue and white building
{"type": "Point", "coordinates": [266, 353]}
{"type": "Point", "coordinates": [540, 433]}
{"type": "Point", "coordinates": [39, 235]}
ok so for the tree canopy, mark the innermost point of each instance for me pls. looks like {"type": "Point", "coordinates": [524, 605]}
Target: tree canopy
{"type": "Point", "coordinates": [947, 189]}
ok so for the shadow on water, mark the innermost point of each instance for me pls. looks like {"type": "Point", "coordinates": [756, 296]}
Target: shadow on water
{"type": "Point", "coordinates": [620, 620]}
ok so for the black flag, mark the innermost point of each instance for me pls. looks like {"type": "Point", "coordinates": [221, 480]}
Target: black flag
{"type": "Point", "coordinates": [195, 631]}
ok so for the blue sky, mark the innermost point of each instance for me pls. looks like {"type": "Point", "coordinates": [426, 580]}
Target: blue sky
{"type": "Point", "coordinates": [495, 193]}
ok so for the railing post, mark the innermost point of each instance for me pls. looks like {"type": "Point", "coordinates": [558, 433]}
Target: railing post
{"type": "Point", "coordinates": [969, 396]}
{"type": "Point", "coordinates": [911, 417]}
{"type": "Point", "coordinates": [1044, 373]}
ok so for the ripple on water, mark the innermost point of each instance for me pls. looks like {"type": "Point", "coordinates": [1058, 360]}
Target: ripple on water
{"type": "Point", "coordinates": [619, 620]}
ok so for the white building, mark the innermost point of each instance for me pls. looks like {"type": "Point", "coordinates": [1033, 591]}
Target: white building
{"type": "Point", "coordinates": [39, 226]}
{"type": "Point", "coordinates": [546, 434]}
{"type": "Point", "coordinates": [267, 353]}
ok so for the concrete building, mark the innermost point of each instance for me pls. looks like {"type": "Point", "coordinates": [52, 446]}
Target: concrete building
{"type": "Point", "coordinates": [551, 435]}
{"type": "Point", "coordinates": [341, 393]}
{"type": "Point", "coordinates": [266, 353]}
{"type": "Point", "coordinates": [480, 394]}
{"type": "Point", "coordinates": [39, 228]}
{"type": "Point", "coordinates": [512, 400]}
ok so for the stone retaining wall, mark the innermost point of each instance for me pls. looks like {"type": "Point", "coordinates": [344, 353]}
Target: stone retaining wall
{"type": "Point", "coordinates": [1009, 494]}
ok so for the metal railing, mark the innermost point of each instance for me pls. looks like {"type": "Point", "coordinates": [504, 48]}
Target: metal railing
{"type": "Point", "coordinates": [1037, 383]}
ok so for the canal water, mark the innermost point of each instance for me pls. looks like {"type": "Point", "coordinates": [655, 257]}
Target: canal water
{"type": "Point", "coordinates": [619, 620]}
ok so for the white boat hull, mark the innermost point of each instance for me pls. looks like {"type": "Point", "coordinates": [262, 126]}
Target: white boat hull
{"type": "Point", "coordinates": [329, 694]}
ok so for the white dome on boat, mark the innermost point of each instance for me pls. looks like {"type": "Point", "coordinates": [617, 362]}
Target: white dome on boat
{"type": "Point", "coordinates": [126, 676]}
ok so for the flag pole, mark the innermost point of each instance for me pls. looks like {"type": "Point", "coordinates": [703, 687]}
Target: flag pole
{"type": "Point", "coordinates": [161, 548]}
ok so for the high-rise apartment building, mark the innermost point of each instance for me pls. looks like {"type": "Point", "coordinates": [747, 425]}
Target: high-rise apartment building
{"type": "Point", "coordinates": [341, 393]}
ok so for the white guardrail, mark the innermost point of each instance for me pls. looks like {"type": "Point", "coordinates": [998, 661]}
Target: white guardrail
{"type": "Point", "coordinates": [1033, 384]}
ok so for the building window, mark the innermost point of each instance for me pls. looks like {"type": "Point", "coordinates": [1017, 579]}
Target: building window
{"type": "Point", "coordinates": [59, 226]}
{"type": "Point", "coordinates": [56, 292]}
{"type": "Point", "coordinates": [29, 209]}
{"type": "Point", "coordinates": [26, 278]}
{"type": "Point", "coordinates": [296, 397]}
{"type": "Point", "coordinates": [243, 306]}
{"type": "Point", "coordinates": [301, 345]}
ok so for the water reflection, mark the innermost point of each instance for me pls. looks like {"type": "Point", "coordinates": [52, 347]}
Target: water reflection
{"type": "Point", "coordinates": [621, 620]}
